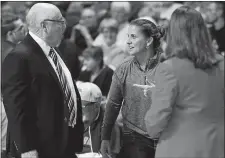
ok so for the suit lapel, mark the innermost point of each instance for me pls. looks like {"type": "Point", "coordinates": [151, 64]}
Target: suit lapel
{"type": "Point", "coordinates": [37, 49]}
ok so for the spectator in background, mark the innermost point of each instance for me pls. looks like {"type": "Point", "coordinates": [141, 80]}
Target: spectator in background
{"type": "Point", "coordinates": [62, 5]}
{"type": "Point", "coordinates": [19, 33]}
{"type": "Point", "coordinates": [7, 26]}
{"type": "Point", "coordinates": [215, 17]}
{"type": "Point", "coordinates": [94, 70]}
{"type": "Point", "coordinates": [19, 8]}
{"type": "Point", "coordinates": [93, 114]}
{"type": "Point", "coordinates": [113, 54]}
{"type": "Point", "coordinates": [136, 6]}
{"type": "Point", "coordinates": [102, 9]}
{"type": "Point", "coordinates": [19, 30]}
{"type": "Point", "coordinates": [84, 33]}
{"type": "Point", "coordinates": [119, 11]}
{"type": "Point", "coordinates": [72, 17]}
{"type": "Point", "coordinates": [187, 112]}
{"type": "Point", "coordinates": [67, 50]}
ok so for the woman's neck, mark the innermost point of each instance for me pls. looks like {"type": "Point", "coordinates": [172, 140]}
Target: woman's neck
{"type": "Point", "coordinates": [143, 58]}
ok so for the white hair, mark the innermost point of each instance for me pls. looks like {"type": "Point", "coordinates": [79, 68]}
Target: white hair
{"type": "Point", "coordinates": [40, 12]}
{"type": "Point", "coordinates": [123, 5]}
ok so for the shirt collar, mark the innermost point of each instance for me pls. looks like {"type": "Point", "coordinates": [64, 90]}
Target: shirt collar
{"type": "Point", "coordinates": [41, 43]}
{"type": "Point", "coordinates": [151, 63]}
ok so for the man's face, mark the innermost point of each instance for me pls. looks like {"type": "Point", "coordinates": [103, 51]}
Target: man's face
{"type": "Point", "coordinates": [211, 13]}
{"type": "Point", "coordinates": [90, 111]}
{"type": "Point", "coordinates": [88, 18]}
{"type": "Point", "coordinates": [54, 30]}
{"type": "Point", "coordinates": [19, 32]}
{"type": "Point", "coordinates": [119, 14]}
{"type": "Point", "coordinates": [109, 35]}
{"type": "Point", "coordinates": [90, 63]}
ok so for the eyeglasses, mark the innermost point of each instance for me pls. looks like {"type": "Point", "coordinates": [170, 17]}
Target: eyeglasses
{"type": "Point", "coordinates": [63, 22]}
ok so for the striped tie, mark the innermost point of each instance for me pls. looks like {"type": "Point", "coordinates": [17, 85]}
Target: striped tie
{"type": "Point", "coordinates": [68, 100]}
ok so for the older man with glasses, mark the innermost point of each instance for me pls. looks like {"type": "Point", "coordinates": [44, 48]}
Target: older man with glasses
{"type": "Point", "coordinates": [42, 102]}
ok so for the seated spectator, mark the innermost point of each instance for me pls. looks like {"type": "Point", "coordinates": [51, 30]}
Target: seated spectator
{"type": "Point", "coordinates": [93, 113]}
{"type": "Point", "coordinates": [94, 70]}
{"type": "Point", "coordinates": [84, 33]}
{"type": "Point", "coordinates": [215, 17]}
{"type": "Point", "coordinates": [119, 11]}
{"type": "Point", "coordinates": [62, 5]}
{"type": "Point", "coordinates": [113, 54]}
{"type": "Point", "coordinates": [102, 9]}
{"type": "Point", "coordinates": [72, 17]}
{"type": "Point", "coordinates": [67, 51]}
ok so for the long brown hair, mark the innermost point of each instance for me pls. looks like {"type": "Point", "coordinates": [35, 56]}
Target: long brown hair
{"type": "Point", "coordinates": [188, 37]}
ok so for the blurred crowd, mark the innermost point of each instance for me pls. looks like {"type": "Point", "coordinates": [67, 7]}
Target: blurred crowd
{"type": "Point", "coordinates": [94, 42]}
{"type": "Point", "coordinates": [104, 23]}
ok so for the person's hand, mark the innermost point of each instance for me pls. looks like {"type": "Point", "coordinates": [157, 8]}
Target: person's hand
{"type": "Point", "coordinates": [30, 154]}
{"type": "Point", "coordinates": [105, 149]}
{"type": "Point", "coordinates": [83, 29]}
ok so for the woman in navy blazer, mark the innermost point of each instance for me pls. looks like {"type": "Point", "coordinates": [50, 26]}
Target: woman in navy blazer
{"type": "Point", "coordinates": [187, 112]}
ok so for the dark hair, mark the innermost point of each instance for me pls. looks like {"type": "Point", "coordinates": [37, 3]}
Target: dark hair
{"type": "Point", "coordinates": [149, 29]}
{"type": "Point", "coordinates": [95, 53]}
{"type": "Point", "coordinates": [109, 23]}
{"type": "Point", "coordinates": [189, 38]}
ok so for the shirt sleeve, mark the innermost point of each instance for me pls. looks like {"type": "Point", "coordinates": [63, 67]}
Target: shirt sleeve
{"type": "Point", "coordinates": [113, 106]}
{"type": "Point", "coordinates": [163, 100]}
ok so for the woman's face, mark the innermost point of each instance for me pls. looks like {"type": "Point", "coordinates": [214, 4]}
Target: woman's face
{"type": "Point", "coordinates": [90, 63]}
{"type": "Point", "coordinates": [136, 41]}
{"type": "Point", "coordinates": [109, 36]}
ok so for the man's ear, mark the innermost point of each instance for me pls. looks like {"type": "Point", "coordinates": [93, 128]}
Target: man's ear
{"type": "Point", "coordinates": [149, 41]}
{"type": "Point", "coordinates": [44, 27]}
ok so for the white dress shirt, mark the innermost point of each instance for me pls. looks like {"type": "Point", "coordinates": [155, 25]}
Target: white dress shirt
{"type": "Point", "coordinates": [46, 48]}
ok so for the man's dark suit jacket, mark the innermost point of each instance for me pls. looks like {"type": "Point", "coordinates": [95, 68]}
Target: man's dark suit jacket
{"type": "Point", "coordinates": [33, 99]}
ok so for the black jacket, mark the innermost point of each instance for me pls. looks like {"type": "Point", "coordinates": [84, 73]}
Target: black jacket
{"type": "Point", "coordinates": [34, 104]}
{"type": "Point", "coordinates": [103, 80]}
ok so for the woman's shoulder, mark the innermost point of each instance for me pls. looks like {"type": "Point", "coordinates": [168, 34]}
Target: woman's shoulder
{"type": "Point", "coordinates": [176, 62]}
{"type": "Point", "coordinates": [122, 69]}
{"type": "Point", "coordinates": [126, 62]}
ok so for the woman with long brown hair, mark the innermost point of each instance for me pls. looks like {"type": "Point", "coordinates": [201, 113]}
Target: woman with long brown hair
{"type": "Point", "coordinates": [187, 112]}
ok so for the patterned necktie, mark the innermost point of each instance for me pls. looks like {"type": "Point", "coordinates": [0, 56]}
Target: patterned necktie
{"type": "Point", "coordinates": [68, 100]}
